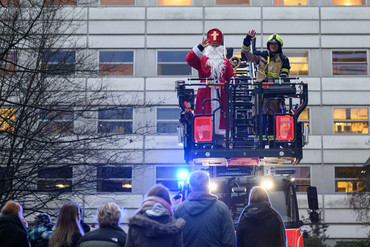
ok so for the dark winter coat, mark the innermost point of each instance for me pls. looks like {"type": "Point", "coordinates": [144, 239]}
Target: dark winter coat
{"type": "Point", "coordinates": [260, 226]}
{"type": "Point", "coordinates": [158, 231]}
{"type": "Point", "coordinates": [208, 221]}
{"type": "Point", "coordinates": [12, 231]}
{"type": "Point", "coordinates": [110, 236]}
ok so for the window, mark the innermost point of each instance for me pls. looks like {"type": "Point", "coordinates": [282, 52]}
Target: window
{"type": "Point", "coordinates": [116, 62]}
{"type": "Point", "coordinates": [8, 63]}
{"type": "Point", "coordinates": [117, 2]}
{"type": "Point", "coordinates": [57, 121]}
{"type": "Point", "coordinates": [302, 177]}
{"type": "Point", "coordinates": [351, 120]}
{"type": "Point", "coordinates": [305, 117]}
{"type": "Point", "coordinates": [290, 2]}
{"type": "Point", "coordinates": [173, 63]}
{"type": "Point", "coordinates": [167, 120]}
{"type": "Point", "coordinates": [298, 62]}
{"type": "Point", "coordinates": [56, 178]}
{"type": "Point", "coordinates": [7, 117]}
{"type": "Point", "coordinates": [232, 2]}
{"type": "Point", "coordinates": [60, 2]}
{"type": "Point", "coordinates": [175, 2]}
{"type": "Point", "coordinates": [349, 63]}
{"type": "Point", "coordinates": [9, 2]}
{"type": "Point", "coordinates": [59, 62]}
{"type": "Point", "coordinates": [349, 179]}
{"type": "Point", "coordinates": [348, 2]}
{"type": "Point", "coordinates": [5, 181]}
{"type": "Point", "coordinates": [114, 179]}
{"type": "Point", "coordinates": [168, 176]}
{"type": "Point", "coordinates": [115, 120]}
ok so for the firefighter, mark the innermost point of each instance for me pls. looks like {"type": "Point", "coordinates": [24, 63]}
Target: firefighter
{"type": "Point", "coordinates": [272, 63]}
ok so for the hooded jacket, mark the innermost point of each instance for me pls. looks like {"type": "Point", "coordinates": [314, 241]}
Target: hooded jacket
{"type": "Point", "coordinates": [154, 225]}
{"type": "Point", "coordinates": [260, 226]}
{"type": "Point", "coordinates": [208, 221]}
{"type": "Point", "coordinates": [12, 231]}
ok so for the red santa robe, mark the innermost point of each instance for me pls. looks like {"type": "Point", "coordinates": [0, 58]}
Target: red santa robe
{"type": "Point", "coordinates": [196, 59]}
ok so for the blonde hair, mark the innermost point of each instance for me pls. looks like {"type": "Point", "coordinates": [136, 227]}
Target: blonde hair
{"type": "Point", "coordinates": [68, 224]}
{"type": "Point", "coordinates": [109, 214]}
{"type": "Point", "coordinates": [259, 195]}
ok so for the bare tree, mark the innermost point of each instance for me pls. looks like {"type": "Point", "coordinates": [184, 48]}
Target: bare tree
{"type": "Point", "coordinates": [48, 107]}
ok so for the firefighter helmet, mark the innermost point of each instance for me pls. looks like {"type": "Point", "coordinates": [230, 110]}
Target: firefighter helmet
{"type": "Point", "coordinates": [275, 38]}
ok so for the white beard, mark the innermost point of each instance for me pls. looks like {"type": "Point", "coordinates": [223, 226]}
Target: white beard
{"type": "Point", "coordinates": [215, 60]}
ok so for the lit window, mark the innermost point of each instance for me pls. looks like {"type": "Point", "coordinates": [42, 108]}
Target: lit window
{"type": "Point", "coordinates": [348, 2]}
{"type": "Point", "coordinates": [173, 63]}
{"type": "Point", "coordinates": [59, 62]}
{"type": "Point", "coordinates": [7, 117]}
{"type": "Point", "coordinates": [167, 120]}
{"type": "Point", "coordinates": [60, 2]}
{"type": "Point", "coordinates": [232, 2]}
{"type": "Point", "coordinates": [169, 176]}
{"type": "Point", "coordinates": [117, 2]}
{"type": "Point", "coordinates": [175, 2]}
{"type": "Point", "coordinates": [115, 120]}
{"type": "Point", "coordinates": [56, 121]}
{"type": "Point", "coordinates": [54, 179]}
{"type": "Point", "coordinates": [116, 62]}
{"type": "Point", "coordinates": [351, 120]}
{"type": "Point", "coordinates": [305, 117]}
{"type": "Point", "coordinates": [114, 179]}
{"type": "Point", "coordinates": [290, 2]}
{"type": "Point", "coordinates": [8, 63]}
{"type": "Point", "coordinates": [349, 63]}
{"type": "Point", "coordinates": [349, 179]}
{"type": "Point", "coordinates": [5, 181]}
{"type": "Point", "coordinates": [298, 62]}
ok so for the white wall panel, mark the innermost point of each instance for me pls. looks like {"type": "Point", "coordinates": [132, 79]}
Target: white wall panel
{"type": "Point", "coordinates": [346, 98]}
{"type": "Point", "coordinates": [291, 26]}
{"type": "Point", "coordinates": [233, 27]}
{"type": "Point", "coordinates": [117, 13]}
{"type": "Point", "coordinates": [336, 201]}
{"type": "Point", "coordinates": [346, 41]}
{"type": "Point", "coordinates": [163, 83]}
{"type": "Point", "coordinates": [110, 41]}
{"type": "Point", "coordinates": [347, 142]}
{"type": "Point", "coordinates": [227, 13]}
{"type": "Point", "coordinates": [121, 98]}
{"type": "Point", "coordinates": [345, 27]}
{"type": "Point", "coordinates": [162, 141]}
{"type": "Point", "coordinates": [117, 83]}
{"type": "Point", "coordinates": [313, 83]}
{"type": "Point", "coordinates": [345, 13]}
{"type": "Point", "coordinates": [291, 13]}
{"type": "Point", "coordinates": [298, 41]}
{"type": "Point", "coordinates": [174, 27]}
{"type": "Point", "coordinates": [346, 156]}
{"type": "Point", "coordinates": [347, 231]}
{"type": "Point", "coordinates": [165, 98]}
{"type": "Point", "coordinates": [311, 156]}
{"type": "Point", "coordinates": [165, 156]}
{"type": "Point", "coordinates": [314, 98]}
{"type": "Point", "coordinates": [346, 84]}
{"type": "Point", "coordinates": [173, 41]}
{"type": "Point", "coordinates": [117, 27]}
{"type": "Point", "coordinates": [175, 13]}
{"type": "Point", "coordinates": [314, 142]}
{"type": "Point", "coordinates": [346, 216]}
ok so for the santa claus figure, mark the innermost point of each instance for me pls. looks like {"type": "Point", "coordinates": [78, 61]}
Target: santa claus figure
{"type": "Point", "coordinates": [208, 59]}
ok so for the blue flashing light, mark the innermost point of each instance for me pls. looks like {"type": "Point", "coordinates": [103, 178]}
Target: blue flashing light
{"type": "Point", "coordinates": [285, 171]}
{"type": "Point", "coordinates": [182, 175]}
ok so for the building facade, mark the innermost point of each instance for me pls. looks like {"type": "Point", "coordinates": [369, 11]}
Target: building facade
{"type": "Point", "coordinates": [327, 42]}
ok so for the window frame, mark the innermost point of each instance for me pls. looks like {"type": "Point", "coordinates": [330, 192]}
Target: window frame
{"type": "Point", "coordinates": [59, 63]}
{"type": "Point", "coordinates": [308, 61]}
{"type": "Point", "coordinates": [56, 179]}
{"type": "Point", "coordinates": [158, 4]}
{"type": "Point", "coordinates": [349, 75]}
{"type": "Point", "coordinates": [119, 63]}
{"type": "Point", "coordinates": [331, 4]}
{"type": "Point", "coordinates": [347, 179]}
{"type": "Point", "coordinates": [350, 120]}
{"type": "Point", "coordinates": [166, 120]}
{"type": "Point", "coordinates": [99, 188]}
{"type": "Point", "coordinates": [51, 122]}
{"type": "Point", "coordinates": [98, 120]}
{"type": "Point", "coordinates": [273, 4]}
{"type": "Point", "coordinates": [181, 63]}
